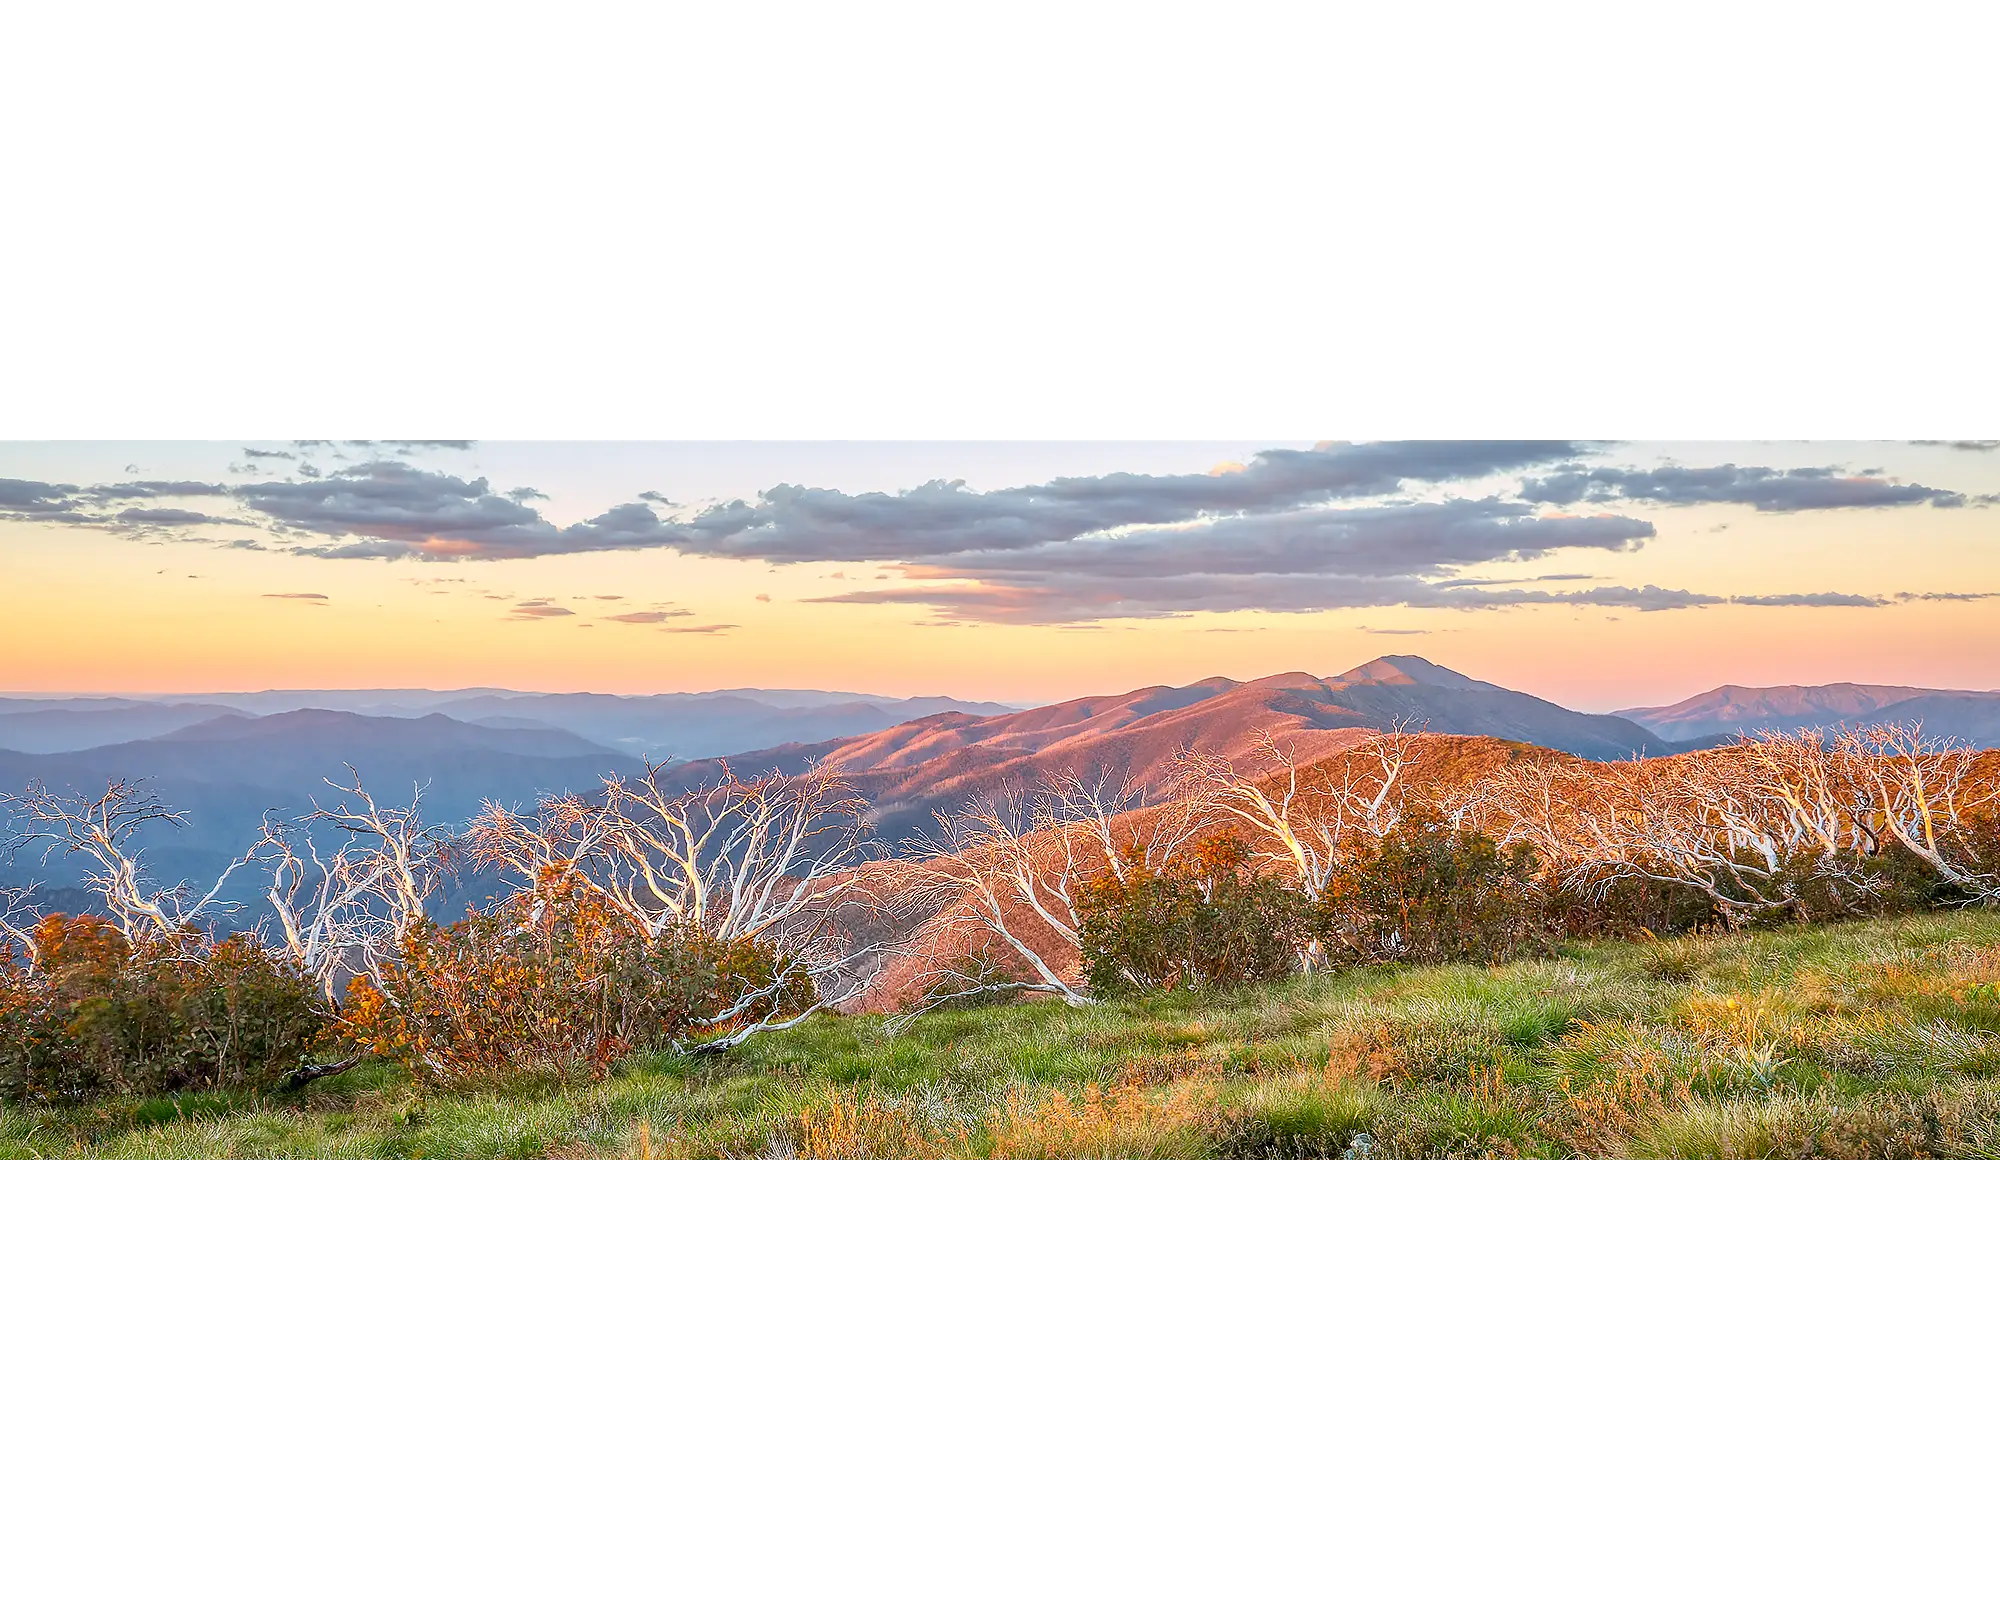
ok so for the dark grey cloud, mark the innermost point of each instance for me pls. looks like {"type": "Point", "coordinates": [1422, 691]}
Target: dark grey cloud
{"type": "Point", "coordinates": [1181, 596]}
{"type": "Point", "coordinates": [1296, 560]}
{"type": "Point", "coordinates": [1962, 444]}
{"type": "Point", "coordinates": [1988, 594]}
{"type": "Point", "coordinates": [1186, 596]}
{"type": "Point", "coordinates": [1807, 600]}
{"type": "Point", "coordinates": [173, 517]}
{"type": "Point", "coordinates": [22, 500]}
{"type": "Point", "coordinates": [1539, 577]}
{"type": "Point", "coordinates": [1425, 538]}
{"type": "Point", "coordinates": [790, 523]}
{"type": "Point", "coordinates": [1334, 526]}
{"type": "Point", "coordinates": [25, 497]}
{"type": "Point", "coordinates": [269, 455]}
{"type": "Point", "coordinates": [1645, 597]}
{"type": "Point", "coordinates": [388, 508]}
{"type": "Point", "coordinates": [1766, 488]}
{"type": "Point", "coordinates": [156, 489]}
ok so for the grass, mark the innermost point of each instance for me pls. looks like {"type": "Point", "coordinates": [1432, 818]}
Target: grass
{"type": "Point", "coordinates": [1852, 1040]}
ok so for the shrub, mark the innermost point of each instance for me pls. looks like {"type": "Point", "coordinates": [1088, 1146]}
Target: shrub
{"type": "Point", "coordinates": [98, 1014]}
{"type": "Point", "coordinates": [1208, 922]}
{"type": "Point", "coordinates": [1430, 891]}
{"type": "Point", "coordinates": [1611, 908]}
{"type": "Point", "coordinates": [553, 983]}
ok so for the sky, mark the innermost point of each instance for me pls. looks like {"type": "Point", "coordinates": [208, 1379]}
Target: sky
{"type": "Point", "coordinates": [1600, 575]}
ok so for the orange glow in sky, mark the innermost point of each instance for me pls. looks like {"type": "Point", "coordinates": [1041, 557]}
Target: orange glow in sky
{"type": "Point", "coordinates": [94, 607]}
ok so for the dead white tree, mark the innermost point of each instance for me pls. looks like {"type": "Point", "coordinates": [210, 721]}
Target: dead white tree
{"type": "Point", "coordinates": [104, 832]}
{"type": "Point", "coordinates": [408, 860]}
{"type": "Point", "coordinates": [1001, 878]}
{"type": "Point", "coordinates": [349, 912]}
{"type": "Point", "coordinates": [739, 858]}
{"type": "Point", "coordinates": [996, 891]}
{"type": "Point", "coordinates": [1750, 824]}
{"type": "Point", "coordinates": [19, 913]}
{"type": "Point", "coordinates": [764, 860]}
{"type": "Point", "coordinates": [1136, 836]}
{"type": "Point", "coordinates": [1713, 822]}
{"type": "Point", "coordinates": [1922, 794]}
{"type": "Point", "coordinates": [1302, 820]}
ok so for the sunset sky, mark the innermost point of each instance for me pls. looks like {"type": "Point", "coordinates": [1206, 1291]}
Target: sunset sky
{"type": "Point", "coordinates": [1597, 575]}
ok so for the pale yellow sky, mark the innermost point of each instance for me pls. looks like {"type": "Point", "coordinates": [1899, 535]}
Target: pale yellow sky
{"type": "Point", "coordinates": [87, 610]}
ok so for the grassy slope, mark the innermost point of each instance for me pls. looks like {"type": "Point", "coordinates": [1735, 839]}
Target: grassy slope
{"type": "Point", "coordinates": [1864, 1039]}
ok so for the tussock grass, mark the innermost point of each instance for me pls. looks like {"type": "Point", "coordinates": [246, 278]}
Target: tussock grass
{"type": "Point", "coordinates": [1872, 1039]}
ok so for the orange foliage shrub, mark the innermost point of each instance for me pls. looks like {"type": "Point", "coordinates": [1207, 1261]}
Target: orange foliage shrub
{"type": "Point", "coordinates": [554, 982]}
{"type": "Point", "coordinates": [99, 1014]}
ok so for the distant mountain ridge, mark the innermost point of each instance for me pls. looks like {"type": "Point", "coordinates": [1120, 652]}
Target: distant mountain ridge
{"type": "Point", "coordinates": [1968, 715]}
{"type": "Point", "coordinates": [226, 766]}
{"type": "Point", "coordinates": [675, 726]}
{"type": "Point", "coordinates": [911, 769]}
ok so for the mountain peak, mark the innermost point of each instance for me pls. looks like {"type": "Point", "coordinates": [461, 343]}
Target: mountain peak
{"type": "Point", "coordinates": [1407, 670]}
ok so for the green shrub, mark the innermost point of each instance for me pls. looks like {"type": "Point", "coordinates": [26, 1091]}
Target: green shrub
{"type": "Point", "coordinates": [1209, 922]}
{"type": "Point", "coordinates": [98, 1014]}
{"type": "Point", "coordinates": [1430, 891]}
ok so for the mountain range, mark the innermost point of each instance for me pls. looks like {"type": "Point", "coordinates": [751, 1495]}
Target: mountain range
{"type": "Point", "coordinates": [1968, 716]}
{"type": "Point", "coordinates": [227, 759]}
{"type": "Point", "coordinates": [916, 767]}
{"type": "Point", "coordinates": [663, 726]}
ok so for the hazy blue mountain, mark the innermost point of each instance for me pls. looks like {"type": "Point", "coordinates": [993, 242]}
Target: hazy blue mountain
{"type": "Point", "coordinates": [1967, 715]}
{"type": "Point", "coordinates": [677, 726]}
{"type": "Point", "coordinates": [46, 725]}
{"type": "Point", "coordinates": [228, 772]}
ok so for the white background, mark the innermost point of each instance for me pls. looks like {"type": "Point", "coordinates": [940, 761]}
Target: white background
{"type": "Point", "coordinates": [998, 222]}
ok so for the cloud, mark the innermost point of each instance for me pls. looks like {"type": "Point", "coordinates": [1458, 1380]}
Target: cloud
{"type": "Point", "coordinates": [388, 508]}
{"type": "Point", "coordinates": [1807, 600]}
{"type": "Point", "coordinates": [270, 455]}
{"type": "Point", "coordinates": [537, 611]}
{"type": "Point", "coordinates": [156, 489]}
{"type": "Point", "coordinates": [705, 627]}
{"type": "Point", "coordinates": [1307, 559]}
{"type": "Point", "coordinates": [789, 523]}
{"type": "Point", "coordinates": [312, 597]}
{"type": "Point", "coordinates": [1289, 530]}
{"type": "Point", "coordinates": [173, 517]}
{"type": "Point", "coordinates": [1766, 488]}
{"type": "Point", "coordinates": [24, 500]}
{"type": "Point", "coordinates": [1986, 595]}
{"type": "Point", "coordinates": [27, 499]}
{"type": "Point", "coordinates": [1962, 444]}
{"type": "Point", "coordinates": [1646, 597]}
